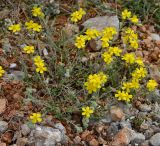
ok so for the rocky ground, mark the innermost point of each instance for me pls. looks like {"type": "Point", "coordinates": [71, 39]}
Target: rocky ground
{"type": "Point", "coordinates": [136, 124]}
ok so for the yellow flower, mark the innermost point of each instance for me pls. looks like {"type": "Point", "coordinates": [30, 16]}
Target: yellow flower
{"type": "Point", "coordinates": [107, 57]}
{"type": "Point", "coordinates": [109, 32]}
{"type": "Point", "coordinates": [38, 60]}
{"type": "Point", "coordinates": [15, 27]}
{"type": "Point", "coordinates": [95, 82]}
{"type": "Point", "coordinates": [36, 27]}
{"type": "Point", "coordinates": [151, 85]}
{"type": "Point", "coordinates": [139, 61]}
{"type": "Point", "coordinates": [114, 51]}
{"type": "Point", "coordinates": [135, 83]}
{"type": "Point", "coordinates": [35, 118]}
{"type": "Point", "coordinates": [134, 44]}
{"type": "Point", "coordinates": [77, 15]}
{"type": "Point", "coordinates": [29, 24]}
{"type": "Point", "coordinates": [37, 11]}
{"type": "Point", "coordinates": [103, 77]}
{"type": "Point", "coordinates": [1, 71]}
{"type": "Point", "coordinates": [82, 12]}
{"type": "Point", "coordinates": [139, 73]}
{"type": "Point", "coordinates": [126, 14]}
{"type": "Point", "coordinates": [28, 49]}
{"type": "Point", "coordinates": [41, 68]}
{"type": "Point", "coordinates": [123, 96]}
{"type": "Point", "coordinates": [129, 31]}
{"type": "Point", "coordinates": [127, 86]}
{"type": "Point", "coordinates": [80, 41]}
{"type": "Point", "coordinates": [33, 26]}
{"type": "Point", "coordinates": [92, 34]}
{"type": "Point", "coordinates": [130, 38]}
{"type": "Point", "coordinates": [107, 35]}
{"type": "Point", "coordinates": [134, 19]}
{"type": "Point", "coordinates": [129, 58]}
{"type": "Point", "coordinates": [87, 111]}
{"type": "Point", "coordinates": [105, 42]}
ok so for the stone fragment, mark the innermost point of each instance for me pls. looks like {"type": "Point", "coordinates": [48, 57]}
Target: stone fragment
{"type": "Point", "coordinates": [3, 126]}
{"type": "Point", "coordinates": [116, 114]}
{"type": "Point", "coordinates": [155, 140]}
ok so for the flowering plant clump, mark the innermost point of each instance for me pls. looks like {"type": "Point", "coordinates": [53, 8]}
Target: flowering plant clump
{"type": "Point", "coordinates": [112, 53]}
{"type": "Point", "coordinates": [75, 75]}
{"type": "Point", "coordinates": [36, 118]}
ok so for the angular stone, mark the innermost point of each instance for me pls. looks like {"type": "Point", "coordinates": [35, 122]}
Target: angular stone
{"type": "Point", "coordinates": [25, 129]}
{"type": "Point", "coordinates": [116, 114]}
{"type": "Point", "coordinates": [60, 127]}
{"type": "Point", "coordinates": [13, 65]}
{"type": "Point", "coordinates": [155, 140]}
{"type": "Point", "coordinates": [46, 136]}
{"type": "Point", "coordinates": [3, 126]}
{"type": "Point", "coordinates": [145, 108]}
{"type": "Point", "coordinates": [102, 22]}
{"type": "Point", "coordinates": [155, 36]}
{"type": "Point", "coordinates": [22, 141]}
{"type": "Point", "coordinates": [93, 142]}
{"type": "Point", "coordinates": [125, 136]}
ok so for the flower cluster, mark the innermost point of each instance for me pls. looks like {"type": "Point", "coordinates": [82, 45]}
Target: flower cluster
{"type": "Point", "coordinates": [151, 85]}
{"type": "Point", "coordinates": [92, 34]}
{"type": "Point", "coordinates": [14, 28]}
{"type": "Point", "coordinates": [37, 12]}
{"type": "Point", "coordinates": [29, 49]}
{"type": "Point", "coordinates": [137, 75]}
{"type": "Point", "coordinates": [1, 71]}
{"type": "Point", "coordinates": [124, 96]}
{"type": "Point", "coordinates": [80, 41]}
{"type": "Point", "coordinates": [36, 117]}
{"type": "Point", "coordinates": [40, 66]}
{"type": "Point", "coordinates": [108, 55]}
{"type": "Point", "coordinates": [133, 84]}
{"type": "Point", "coordinates": [33, 26]}
{"type": "Point", "coordinates": [128, 15]}
{"type": "Point", "coordinates": [105, 36]}
{"type": "Point", "coordinates": [130, 38]}
{"type": "Point", "coordinates": [129, 58]}
{"type": "Point", "coordinates": [95, 82]}
{"type": "Point", "coordinates": [87, 111]}
{"type": "Point", "coordinates": [77, 15]}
